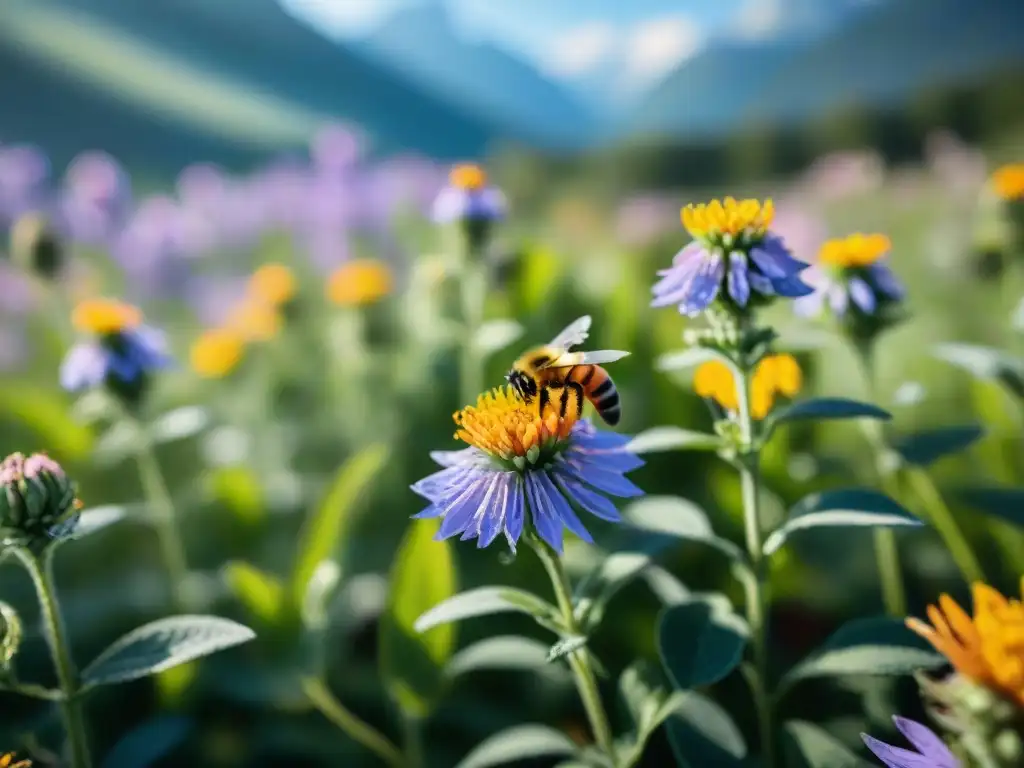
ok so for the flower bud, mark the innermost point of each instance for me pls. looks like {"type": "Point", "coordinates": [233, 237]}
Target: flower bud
{"type": "Point", "coordinates": [36, 247]}
{"type": "Point", "coordinates": [37, 501]}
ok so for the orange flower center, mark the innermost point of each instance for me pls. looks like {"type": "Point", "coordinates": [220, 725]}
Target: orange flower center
{"type": "Point", "coordinates": [105, 316]}
{"type": "Point", "coordinates": [854, 251]}
{"type": "Point", "coordinates": [360, 282]}
{"type": "Point", "coordinates": [1008, 181]}
{"type": "Point", "coordinates": [507, 428]}
{"type": "Point", "coordinates": [273, 283]}
{"type": "Point", "coordinates": [468, 176]}
{"type": "Point", "coordinates": [216, 353]}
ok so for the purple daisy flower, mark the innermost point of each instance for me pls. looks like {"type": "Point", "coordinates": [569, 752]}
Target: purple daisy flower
{"type": "Point", "coordinates": [120, 354]}
{"type": "Point", "coordinates": [929, 750]}
{"type": "Point", "coordinates": [852, 275]}
{"type": "Point", "coordinates": [733, 258]}
{"type": "Point", "coordinates": [522, 471]}
{"type": "Point", "coordinates": [468, 197]}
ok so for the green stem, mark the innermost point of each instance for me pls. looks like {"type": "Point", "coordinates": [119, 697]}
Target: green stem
{"type": "Point", "coordinates": [40, 568]}
{"type": "Point", "coordinates": [887, 554]}
{"type": "Point", "coordinates": [756, 587]}
{"type": "Point", "coordinates": [579, 662]}
{"type": "Point", "coordinates": [358, 730]}
{"type": "Point", "coordinates": [172, 549]}
{"type": "Point", "coordinates": [474, 292]}
{"type": "Point", "coordinates": [415, 756]}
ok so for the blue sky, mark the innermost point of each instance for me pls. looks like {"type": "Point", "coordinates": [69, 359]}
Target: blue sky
{"type": "Point", "coordinates": [573, 39]}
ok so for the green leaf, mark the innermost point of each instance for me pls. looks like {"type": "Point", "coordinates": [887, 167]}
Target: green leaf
{"type": "Point", "coordinates": [668, 438]}
{"type": "Point", "coordinates": [497, 334]}
{"type": "Point", "coordinates": [500, 652]}
{"type": "Point", "coordinates": [809, 746]}
{"type": "Point", "coordinates": [700, 642]}
{"type": "Point", "coordinates": [827, 408]}
{"type": "Point", "coordinates": [701, 734]}
{"type": "Point", "coordinates": [565, 647]}
{"type": "Point", "coordinates": [521, 742]}
{"type": "Point", "coordinates": [985, 363]}
{"type": "Point", "coordinates": [45, 412]}
{"type": "Point", "coordinates": [163, 644]}
{"type": "Point", "coordinates": [678, 517]}
{"type": "Point", "coordinates": [689, 358]}
{"type": "Point", "coordinates": [1002, 502]}
{"type": "Point", "coordinates": [643, 689]}
{"type": "Point", "coordinates": [179, 424]}
{"type": "Point", "coordinates": [325, 533]}
{"type": "Point", "coordinates": [872, 646]}
{"type": "Point", "coordinates": [261, 593]}
{"type": "Point", "coordinates": [121, 440]}
{"type": "Point", "coordinates": [925, 447]}
{"type": "Point", "coordinates": [484, 601]}
{"type": "Point", "coordinates": [600, 585]}
{"type": "Point", "coordinates": [850, 508]}
{"type": "Point", "coordinates": [97, 518]}
{"type": "Point", "coordinates": [412, 658]}
{"type": "Point", "coordinates": [319, 590]}
{"type": "Point", "coordinates": [666, 586]}
{"type": "Point", "coordinates": [148, 743]}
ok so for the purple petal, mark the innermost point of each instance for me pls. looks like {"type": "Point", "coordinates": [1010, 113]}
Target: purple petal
{"type": "Point", "coordinates": [561, 507]}
{"type": "Point", "coordinates": [810, 305]}
{"type": "Point", "coordinates": [894, 757]}
{"type": "Point", "coordinates": [926, 741]}
{"type": "Point", "coordinates": [774, 260]}
{"type": "Point", "coordinates": [705, 286]}
{"type": "Point", "coordinates": [861, 295]}
{"type": "Point", "coordinates": [451, 458]}
{"type": "Point", "coordinates": [885, 281]}
{"type": "Point", "coordinates": [84, 366]}
{"type": "Point", "coordinates": [738, 284]}
{"type": "Point", "coordinates": [544, 518]}
{"type": "Point", "coordinates": [791, 287]}
{"type": "Point", "coordinates": [493, 522]}
{"type": "Point", "coordinates": [677, 280]}
{"type": "Point", "coordinates": [599, 479]}
{"type": "Point", "coordinates": [460, 509]}
{"type": "Point", "coordinates": [838, 300]}
{"type": "Point", "coordinates": [760, 283]}
{"type": "Point", "coordinates": [515, 513]}
{"type": "Point", "coordinates": [431, 511]}
{"type": "Point", "coordinates": [594, 503]}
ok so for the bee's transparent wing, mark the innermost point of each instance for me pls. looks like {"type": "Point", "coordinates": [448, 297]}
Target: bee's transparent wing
{"type": "Point", "coordinates": [597, 357]}
{"type": "Point", "coordinates": [574, 334]}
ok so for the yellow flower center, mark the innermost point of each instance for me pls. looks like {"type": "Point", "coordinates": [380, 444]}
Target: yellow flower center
{"type": "Point", "coordinates": [468, 176]}
{"type": "Point", "coordinates": [504, 426]}
{"type": "Point", "coordinates": [273, 283]}
{"type": "Point", "coordinates": [216, 353]}
{"type": "Point", "coordinates": [360, 282]}
{"type": "Point", "coordinates": [7, 761]}
{"type": "Point", "coordinates": [1008, 181]}
{"type": "Point", "coordinates": [728, 217]}
{"type": "Point", "coordinates": [854, 251]}
{"type": "Point", "coordinates": [105, 316]}
{"type": "Point", "coordinates": [254, 320]}
{"type": "Point", "coordinates": [775, 375]}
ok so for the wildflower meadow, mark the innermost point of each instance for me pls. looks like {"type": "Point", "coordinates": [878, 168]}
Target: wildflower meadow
{"type": "Point", "coordinates": [354, 461]}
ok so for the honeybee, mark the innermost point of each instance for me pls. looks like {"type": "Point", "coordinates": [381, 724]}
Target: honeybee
{"type": "Point", "coordinates": [552, 374]}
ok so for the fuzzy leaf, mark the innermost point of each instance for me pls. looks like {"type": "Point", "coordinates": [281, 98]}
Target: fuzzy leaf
{"type": "Point", "coordinates": [484, 601]}
{"type": "Point", "coordinates": [161, 645]}
{"type": "Point", "coordinates": [669, 438]}
{"type": "Point", "coordinates": [179, 424]}
{"type": "Point", "coordinates": [97, 518]}
{"type": "Point", "coordinates": [497, 334]}
{"type": "Point", "coordinates": [678, 517]}
{"type": "Point", "coordinates": [985, 363]}
{"type": "Point", "coordinates": [703, 734]}
{"type": "Point", "coordinates": [925, 447]}
{"type": "Point", "coordinates": [518, 743]}
{"type": "Point", "coordinates": [822, 408]}
{"type": "Point", "coordinates": [500, 652]}
{"type": "Point", "coordinates": [809, 746]}
{"type": "Point", "coordinates": [700, 642]}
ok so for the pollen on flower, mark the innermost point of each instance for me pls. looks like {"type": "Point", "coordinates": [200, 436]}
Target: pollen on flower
{"type": "Point", "coordinates": [105, 316]}
{"type": "Point", "coordinates": [359, 282]}
{"type": "Point", "coordinates": [988, 648]}
{"type": "Point", "coordinates": [254, 320]}
{"type": "Point", "coordinates": [216, 353]}
{"type": "Point", "coordinates": [857, 250]}
{"type": "Point", "coordinates": [1008, 181]}
{"type": "Point", "coordinates": [273, 283]}
{"type": "Point", "coordinates": [728, 217]}
{"type": "Point", "coordinates": [775, 375]}
{"type": "Point", "coordinates": [467, 176]}
{"type": "Point", "coordinates": [503, 425]}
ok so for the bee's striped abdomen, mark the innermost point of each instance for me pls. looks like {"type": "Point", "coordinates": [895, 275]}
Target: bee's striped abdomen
{"type": "Point", "coordinates": [599, 390]}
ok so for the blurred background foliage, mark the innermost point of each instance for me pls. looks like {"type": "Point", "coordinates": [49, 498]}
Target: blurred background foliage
{"type": "Point", "coordinates": [177, 146]}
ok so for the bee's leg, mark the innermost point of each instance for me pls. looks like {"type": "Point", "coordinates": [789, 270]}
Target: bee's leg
{"type": "Point", "coordinates": [545, 398]}
{"type": "Point", "coordinates": [546, 390]}
{"type": "Point", "coordinates": [576, 388]}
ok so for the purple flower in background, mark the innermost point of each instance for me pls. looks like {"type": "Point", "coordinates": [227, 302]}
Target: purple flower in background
{"type": "Point", "coordinates": [213, 298]}
{"type": "Point", "coordinates": [13, 348]}
{"type": "Point", "coordinates": [524, 472]}
{"type": "Point", "coordinates": [121, 352]}
{"type": "Point", "coordinates": [852, 274]}
{"type": "Point", "coordinates": [336, 149]}
{"type": "Point", "coordinates": [18, 295]}
{"type": "Point", "coordinates": [929, 750]}
{"type": "Point", "coordinates": [468, 197]}
{"type": "Point", "coordinates": [24, 171]}
{"type": "Point", "coordinates": [96, 197]}
{"type": "Point", "coordinates": [803, 232]}
{"type": "Point", "coordinates": [734, 258]}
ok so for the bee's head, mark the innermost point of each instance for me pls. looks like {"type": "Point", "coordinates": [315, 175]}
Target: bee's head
{"type": "Point", "coordinates": [521, 383]}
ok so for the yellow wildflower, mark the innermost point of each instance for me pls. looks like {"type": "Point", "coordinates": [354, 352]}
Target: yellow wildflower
{"type": "Point", "coordinates": [1008, 181]}
{"type": "Point", "coordinates": [254, 320]}
{"type": "Point", "coordinates": [467, 176]}
{"type": "Point", "coordinates": [988, 648]}
{"type": "Point", "coordinates": [216, 353]}
{"type": "Point", "coordinates": [775, 375]}
{"type": "Point", "coordinates": [7, 761]}
{"type": "Point", "coordinates": [728, 217]}
{"type": "Point", "coordinates": [273, 284]}
{"type": "Point", "coordinates": [502, 425]}
{"type": "Point", "coordinates": [105, 316]}
{"type": "Point", "coordinates": [359, 282]}
{"type": "Point", "coordinates": [856, 250]}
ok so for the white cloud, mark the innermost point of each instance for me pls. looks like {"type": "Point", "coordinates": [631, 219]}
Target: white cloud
{"type": "Point", "coordinates": [759, 19]}
{"type": "Point", "coordinates": [654, 48]}
{"type": "Point", "coordinates": [582, 49]}
{"type": "Point", "coordinates": [341, 18]}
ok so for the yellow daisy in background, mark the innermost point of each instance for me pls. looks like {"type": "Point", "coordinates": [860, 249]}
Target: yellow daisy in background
{"type": "Point", "coordinates": [987, 648]}
{"type": "Point", "coordinates": [775, 375]}
{"type": "Point", "coordinates": [217, 353]}
{"type": "Point", "coordinates": [7, 761]}
{"type": "Point", "coordinates": [254, 320]}
{"type": "Point", "coordinates": [1008, 181]}
{"type": "Point", "coordinates": [274, 284]}
{"type": "Point", "coordinates": [359, 282]}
